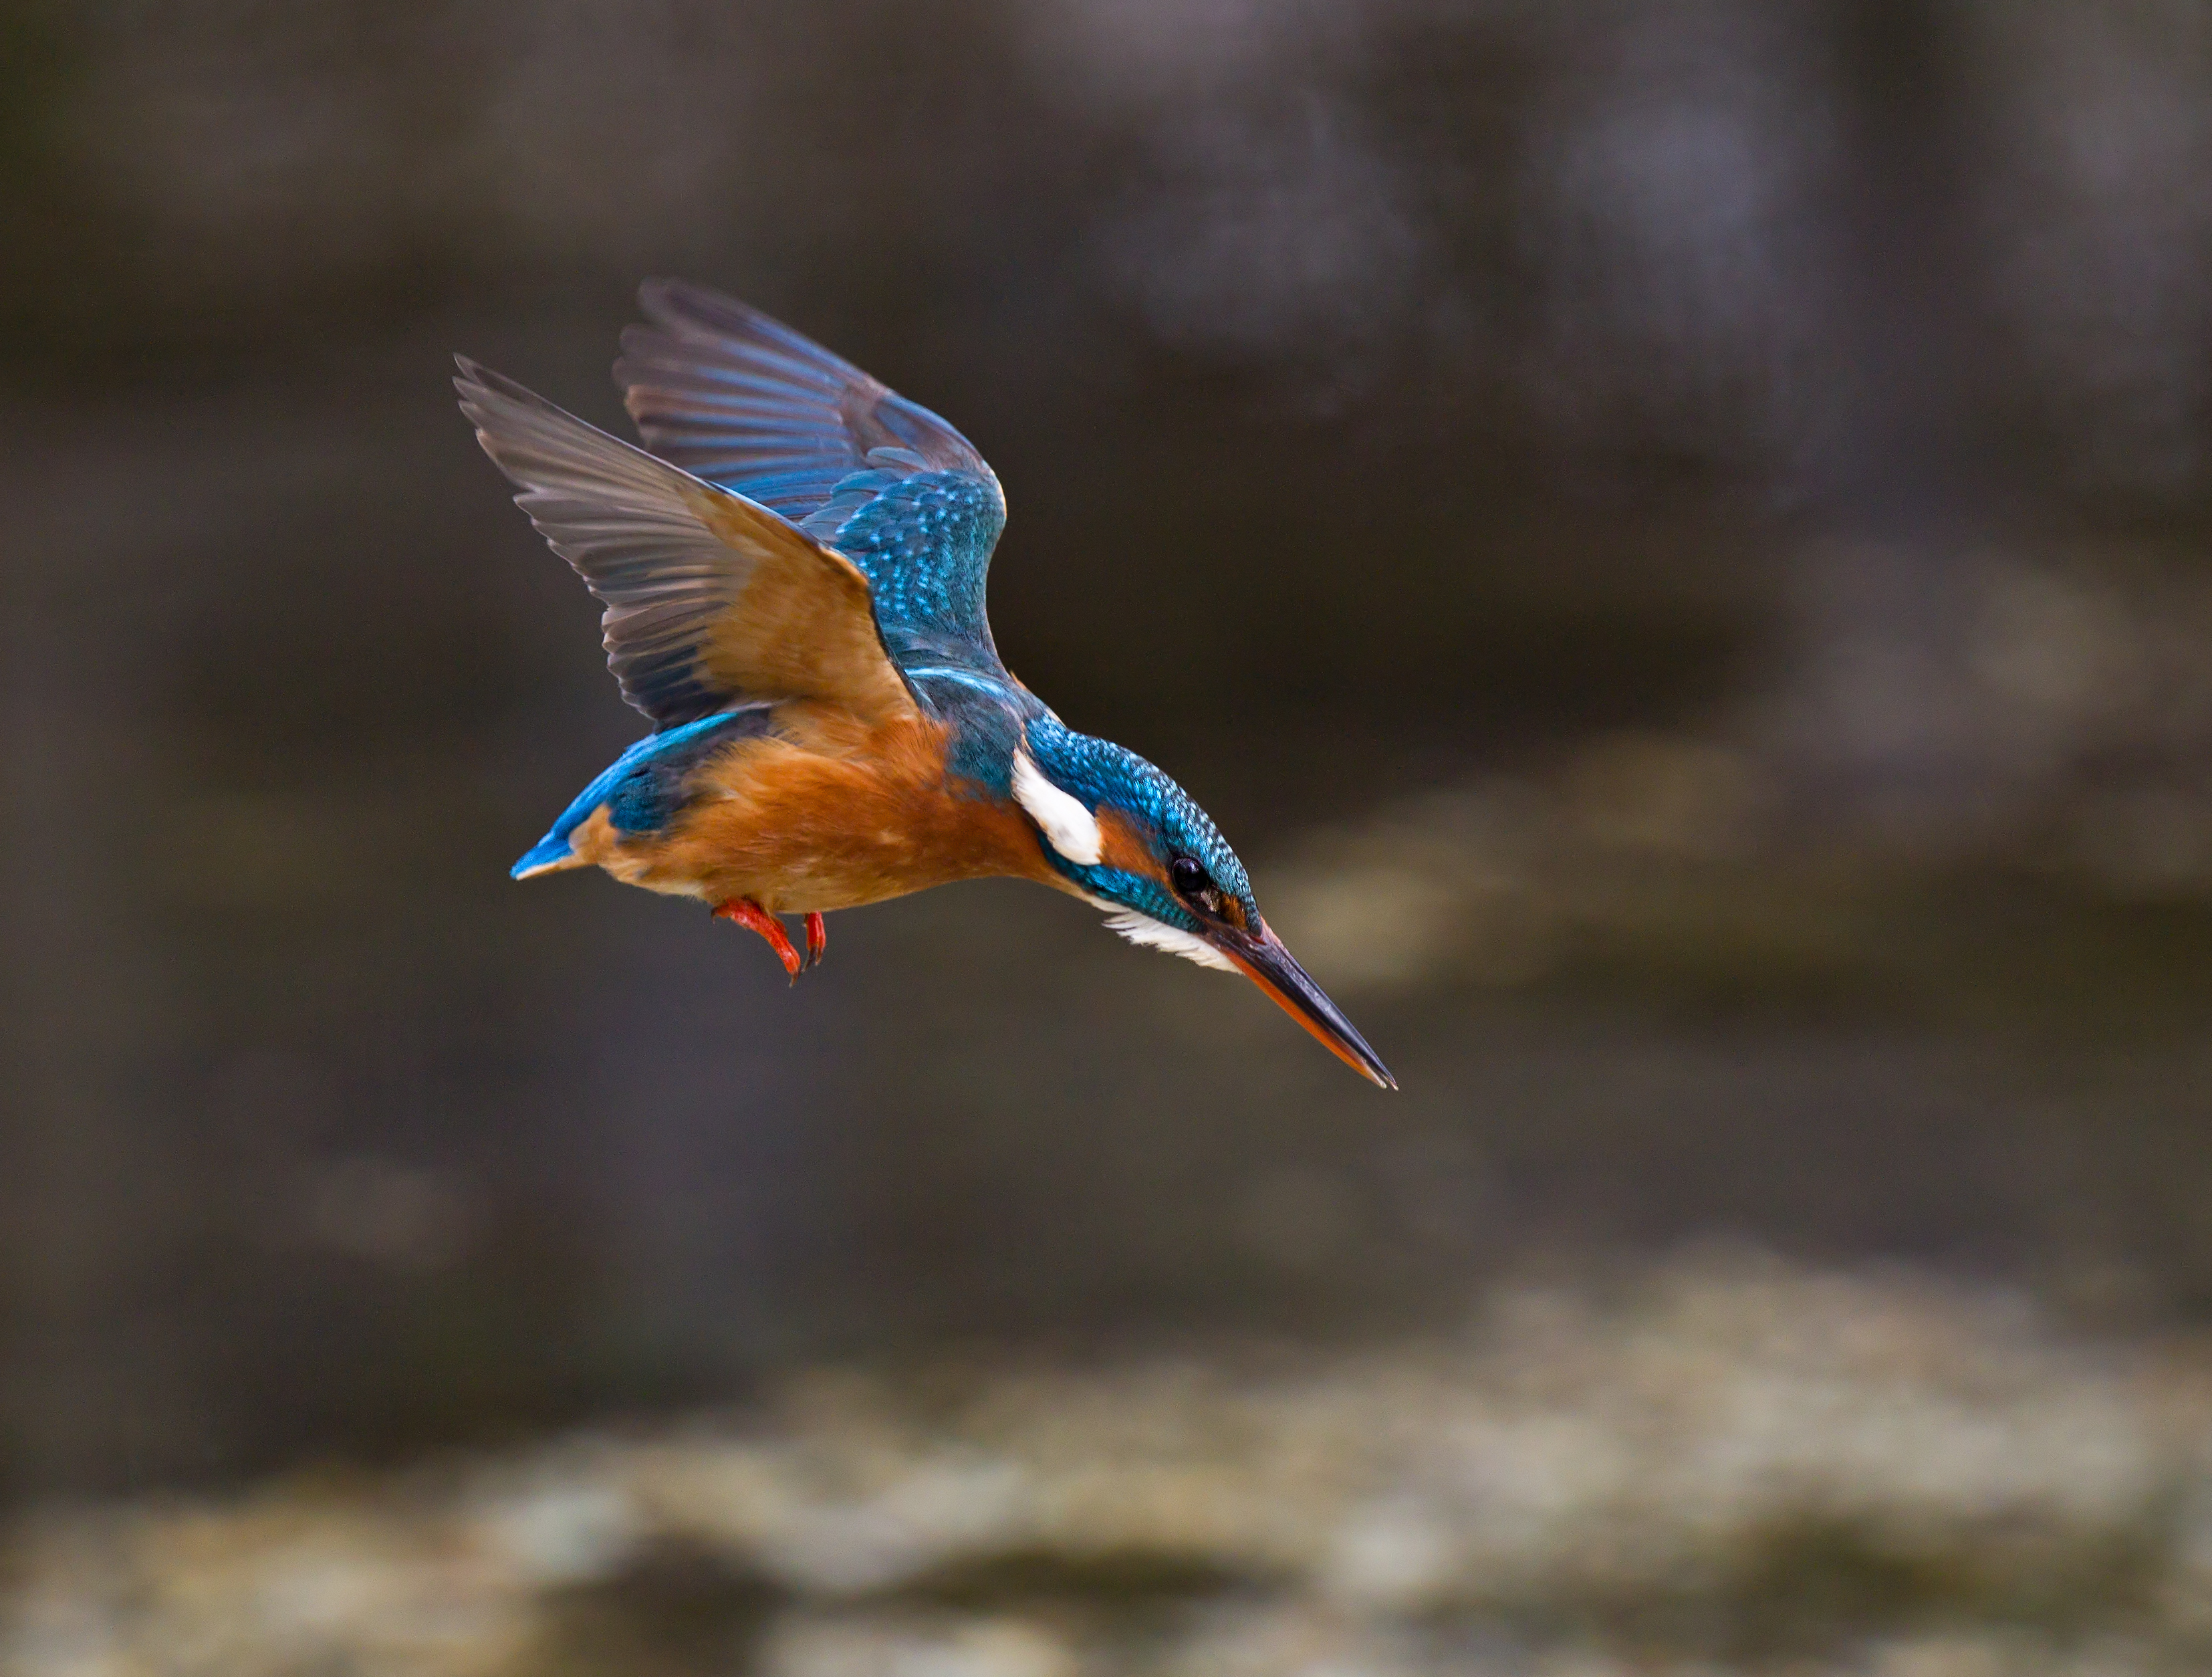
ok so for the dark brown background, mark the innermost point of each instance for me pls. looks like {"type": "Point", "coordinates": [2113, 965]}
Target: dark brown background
{"type": "Point", "coordinates": [1670, 536]}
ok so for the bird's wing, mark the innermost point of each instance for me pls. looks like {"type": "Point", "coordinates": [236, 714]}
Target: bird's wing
{"type": "Point", "coordinates": [743, 401]}
{"type": "Point", "coordinates": [711, 599]}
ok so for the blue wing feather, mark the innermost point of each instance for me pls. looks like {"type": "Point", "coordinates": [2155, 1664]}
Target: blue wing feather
{"type": "Point", "coordinates": [743, 401]}
{"type": "Point", "coordinates": [924, 542]}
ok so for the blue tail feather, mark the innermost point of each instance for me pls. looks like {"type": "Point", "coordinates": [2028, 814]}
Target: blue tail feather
{"type": "Point", "coordinates": [551, 851]}
{"type": "Point", "coordinates": [645, 788]}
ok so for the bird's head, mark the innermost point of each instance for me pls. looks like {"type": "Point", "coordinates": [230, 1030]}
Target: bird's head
{"type": "Point", "coordinates": [1121, 834]}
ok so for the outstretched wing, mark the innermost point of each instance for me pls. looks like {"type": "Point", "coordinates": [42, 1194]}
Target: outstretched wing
{"type": "Point", "coordinates": [745, 402]}
{"type": "Point", "coordinates": [711, 599]}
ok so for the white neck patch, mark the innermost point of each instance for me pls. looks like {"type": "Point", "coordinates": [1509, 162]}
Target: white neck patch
{"type": "Point", "coordinates": [1068, 828]}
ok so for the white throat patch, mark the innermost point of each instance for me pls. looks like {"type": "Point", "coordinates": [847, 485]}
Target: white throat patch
{"type": "Point", "coordinates": [1068, 828]}
{"type": "Point", "coordinates": [1145, 929]}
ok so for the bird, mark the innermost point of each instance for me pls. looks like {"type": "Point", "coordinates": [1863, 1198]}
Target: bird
{"type": "Point", "coordinates": [792, 570]}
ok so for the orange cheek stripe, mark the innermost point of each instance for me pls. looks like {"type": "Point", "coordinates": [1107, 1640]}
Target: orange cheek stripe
{"type": "Point", "coordinates": [1299, 1014]}
{"type": "Point", "coordinates": [1122, 845]}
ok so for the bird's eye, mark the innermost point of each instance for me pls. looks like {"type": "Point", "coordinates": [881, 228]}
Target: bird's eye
{"type": "Point", "coordinates": [1192, 884]}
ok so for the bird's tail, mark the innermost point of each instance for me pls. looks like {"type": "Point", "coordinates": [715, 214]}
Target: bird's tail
{"type": "Point", "coordinates": [549, 854]}
{"type": "Point", "coordinates": [644, 788]}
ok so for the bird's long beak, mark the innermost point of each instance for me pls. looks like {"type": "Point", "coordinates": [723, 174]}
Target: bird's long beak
{"type": "Point", "coordinates": [1263, 959]}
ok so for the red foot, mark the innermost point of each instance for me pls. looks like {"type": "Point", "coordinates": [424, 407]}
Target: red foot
{"type": "Point", "coordinates": [817, 939]}
{"type": "Point", "coordinates": [750, 914]}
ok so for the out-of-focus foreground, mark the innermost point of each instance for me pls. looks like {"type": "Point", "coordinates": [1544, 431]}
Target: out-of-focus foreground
{"type": "Point", "coordinates": [1734, 1467]}
{"type": "Point", "coordinates": [1671, 536]}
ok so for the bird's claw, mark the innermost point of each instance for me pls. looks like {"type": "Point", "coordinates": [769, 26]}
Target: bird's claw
{"type": "Point", "coordinates": [817, 939]}
{"type": "Point", "coordinates": [745, 912]}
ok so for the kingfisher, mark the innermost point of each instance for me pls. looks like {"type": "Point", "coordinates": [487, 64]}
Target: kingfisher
{"type": "Point", "coordinates": [792, 570]}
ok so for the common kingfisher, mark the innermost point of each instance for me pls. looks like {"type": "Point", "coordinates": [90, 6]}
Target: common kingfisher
{"type": "Point", "coordinates": [793, 571]}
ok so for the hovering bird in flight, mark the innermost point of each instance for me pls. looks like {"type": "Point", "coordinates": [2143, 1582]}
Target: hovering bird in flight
{"type": "Point", "coordinates": [792, 571]}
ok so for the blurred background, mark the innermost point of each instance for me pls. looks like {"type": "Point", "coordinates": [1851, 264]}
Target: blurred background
{"type": "Point", "coordinates": [1670, 535]}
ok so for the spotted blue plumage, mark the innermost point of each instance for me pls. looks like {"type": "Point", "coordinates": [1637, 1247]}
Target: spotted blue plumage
{"type": "Point", "coordinates": [744, 402]}
{"type": "Point", "coordinates": [925, 545]}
